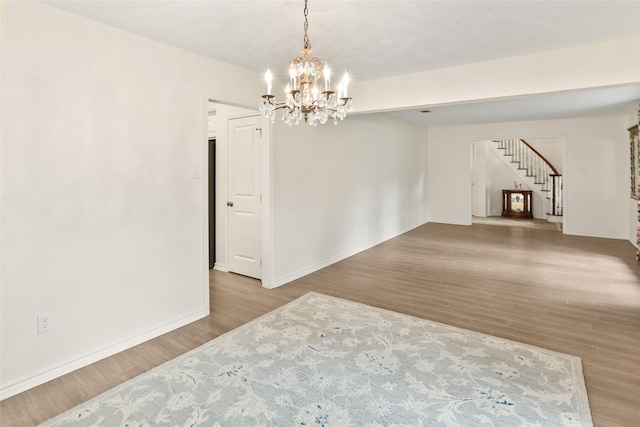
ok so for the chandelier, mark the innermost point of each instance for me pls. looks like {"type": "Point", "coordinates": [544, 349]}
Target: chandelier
{"type": "Point", "coordinates": [305, 98]}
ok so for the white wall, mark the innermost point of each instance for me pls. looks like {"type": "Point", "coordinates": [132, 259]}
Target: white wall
{"type": "Point", "coordinates": [552, 149]}
{"type": "Point", "coordinates": [595, 177]}
{"type": "Point", "coordinates": [103, 201]}
{"type": "Point", "coordinates": [338, 190]}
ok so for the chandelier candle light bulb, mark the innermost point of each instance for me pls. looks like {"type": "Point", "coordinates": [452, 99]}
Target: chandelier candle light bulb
{"type": "Point", "coordinates": [292, 76]}
{"type": "Point", "coordinates": [303, 98]}
{"type": "Point", "coordinates": [268, 77]}
{"type": "Point", "coordinates": [327, 77]}
{"type": "Point", "coordinates": [345, 83]}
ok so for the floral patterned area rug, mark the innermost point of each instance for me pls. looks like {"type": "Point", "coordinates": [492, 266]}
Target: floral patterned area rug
{"type": "Point", "coordinates": [323, 361]}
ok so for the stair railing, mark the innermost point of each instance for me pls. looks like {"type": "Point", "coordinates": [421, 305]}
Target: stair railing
{"type": "Point", "coordinates": [536, 166]}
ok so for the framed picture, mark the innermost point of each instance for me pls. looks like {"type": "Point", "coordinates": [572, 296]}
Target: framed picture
{"type": "Point", "coordinates": [635, 161]}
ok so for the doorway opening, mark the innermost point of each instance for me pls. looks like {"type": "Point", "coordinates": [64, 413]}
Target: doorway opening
{"type": "Point", "coordinates": [499, 170]}
{"type": "Point", "coordinates": [237, 155]}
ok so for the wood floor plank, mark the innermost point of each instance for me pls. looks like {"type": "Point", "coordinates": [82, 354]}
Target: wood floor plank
{"type": "Point", "coordinates": [571, 294]}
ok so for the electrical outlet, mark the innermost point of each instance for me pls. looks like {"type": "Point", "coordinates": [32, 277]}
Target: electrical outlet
{"type": "Point", "coordinates": [44, 323]}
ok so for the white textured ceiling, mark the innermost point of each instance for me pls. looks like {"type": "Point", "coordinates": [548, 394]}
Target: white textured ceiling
{"type": "Point", "coordinates": [373, 39]}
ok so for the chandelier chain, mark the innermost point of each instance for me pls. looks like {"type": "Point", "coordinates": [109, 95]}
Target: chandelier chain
{"type": "Point", "coordinates": [307, 44]}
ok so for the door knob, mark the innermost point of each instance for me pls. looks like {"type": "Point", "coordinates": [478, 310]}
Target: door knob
{"type": "Point", "coordinates": [229, 203]}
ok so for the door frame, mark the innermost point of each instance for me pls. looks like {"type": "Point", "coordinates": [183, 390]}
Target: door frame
{"type": "Point", "coordinates": [222, 168]}
{"type": "Point", "coordinates": [472, 186]}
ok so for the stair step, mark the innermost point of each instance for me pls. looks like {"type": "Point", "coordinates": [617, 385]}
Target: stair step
{"type": "Point", "coordinates": [532, 172]}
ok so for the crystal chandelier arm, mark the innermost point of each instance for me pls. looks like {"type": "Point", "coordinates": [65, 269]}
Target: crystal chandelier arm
{"type": "Point", "coordinates": [303, 97]}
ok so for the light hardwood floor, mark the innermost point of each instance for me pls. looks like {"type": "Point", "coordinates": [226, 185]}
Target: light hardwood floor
{"type": "Point", "coordinates": [571, 294]}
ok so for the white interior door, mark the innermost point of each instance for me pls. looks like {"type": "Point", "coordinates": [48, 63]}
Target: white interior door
{"type": "Point", "coordinates": [244, 197]}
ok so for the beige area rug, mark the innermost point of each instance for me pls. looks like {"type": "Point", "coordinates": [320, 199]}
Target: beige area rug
{"type": "Point", "coordinates": [323, 361]}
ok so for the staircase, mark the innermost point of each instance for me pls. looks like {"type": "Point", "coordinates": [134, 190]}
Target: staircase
{"type": "Point", "coordinates": [532, 168]}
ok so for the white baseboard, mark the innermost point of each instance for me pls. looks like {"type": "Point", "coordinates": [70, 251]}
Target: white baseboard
{"type": "Point", "coordinates": [42, 377]}
{"type": "Point", "coordinates": [591, 234]}
{"type": "Point", "coordinates": [555, 218]}
{"type": "Point", "coordinates": [450, 222]}
{"type": "Point", "coordinates": [220, 267]}
{"type": "Point", "coordinates": [308, 270]}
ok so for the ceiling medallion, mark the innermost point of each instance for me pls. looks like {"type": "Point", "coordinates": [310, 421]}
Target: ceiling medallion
{"type": "Point", "coordinates": [305, 98]}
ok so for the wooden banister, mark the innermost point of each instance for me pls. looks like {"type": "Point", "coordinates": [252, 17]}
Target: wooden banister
{"type": "Point", "coordinates": [555, 171]}
{"type": "Point", "coordinates": [538, 167]}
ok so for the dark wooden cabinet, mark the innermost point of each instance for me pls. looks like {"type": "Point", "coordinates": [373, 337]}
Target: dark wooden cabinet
{"type": "Point", "coordinates": [517, 204]}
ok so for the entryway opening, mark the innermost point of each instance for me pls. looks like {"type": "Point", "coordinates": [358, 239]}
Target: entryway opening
{"type": "Point", "coordinates": [518, 182]}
